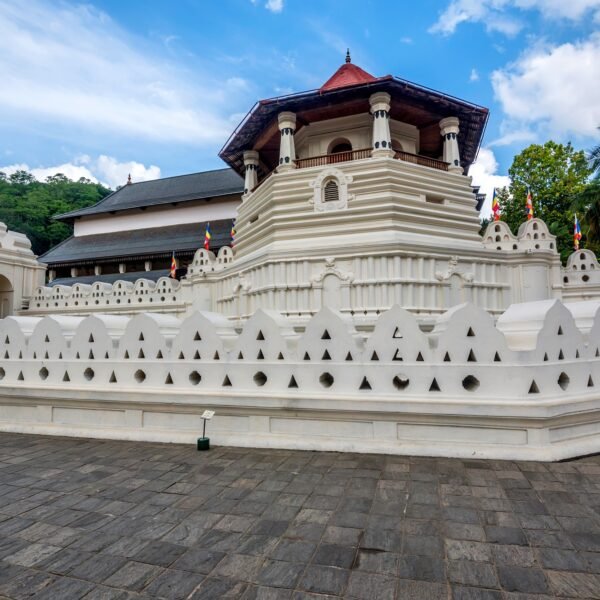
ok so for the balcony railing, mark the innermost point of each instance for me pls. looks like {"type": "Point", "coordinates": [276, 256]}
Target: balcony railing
{"type": "Point", "coordinates": [340, 157]}
{"type": "Point", "coordinates": [332, 159]}
{"type": "Point", "coordinates": [425, 161]}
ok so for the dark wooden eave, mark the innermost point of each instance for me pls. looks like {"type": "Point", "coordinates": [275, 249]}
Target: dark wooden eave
{"type": "Point", "coordinates": [411, 103]}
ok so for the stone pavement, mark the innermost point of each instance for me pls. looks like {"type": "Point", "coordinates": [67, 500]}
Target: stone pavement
{"type": "Point", "coordinates": [120, 520]}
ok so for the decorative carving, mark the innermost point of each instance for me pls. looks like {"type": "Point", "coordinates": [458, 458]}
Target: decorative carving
{"type": "Point", "coordinates": [453, 270]}
{"type": "Point", "coordinates": [331, 269]}
{"type": "Point", "coordinates": [342, 180]}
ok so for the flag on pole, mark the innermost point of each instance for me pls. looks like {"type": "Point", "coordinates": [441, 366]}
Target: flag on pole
{"type": "Point", "coordinates": [576, 233]}
{"type": "Point", "coordinates": [233, 232]}
{"type": "Point", "coordinates": [529, 205]}
{"type": "Point", "coordinates": [495, 206]}
{"type": "Point", "coordinates": [207, 237]}
{"type": "Point", "coordinates": [173, 269]}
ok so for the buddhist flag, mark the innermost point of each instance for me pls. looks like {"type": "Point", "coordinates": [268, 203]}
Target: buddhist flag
{"type": "Point", "coordinates": [576, 233]}
{"type": "Point", "coordinates": [529, 205]}
{"type": "Point", "coordinates": [173, 269]}
{"type": "Point", "coordinates": [233, 232]}
{"type": "Point", "coordinates": [495, 206]}
{"type": "Point", "coordinates": [207, 237]}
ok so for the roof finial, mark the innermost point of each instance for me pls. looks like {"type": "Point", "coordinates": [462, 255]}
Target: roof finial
{"type": "Point", "coordinates": [348, 59]}
{"type": "Point", "coordinates": [129, 179]}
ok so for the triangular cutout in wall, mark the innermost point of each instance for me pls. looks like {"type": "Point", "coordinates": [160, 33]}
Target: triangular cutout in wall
{"type": "Point", "coordinates": [397, 334]}
{"type": "Point", "coordinates": [306, 356]}
{"type": "Point", "coordinates": [560, 331]}
{"type": "Point", "coordinates": [292, 383]}
{"type": "Point", "coordinates": [91, 339]}
{"type": "Point", "coordinates": [20, 377]}
{"type": "Point", "coordinates": [280, 356]}
{"type": "Point", "coordinates": [471, 357]}
{"type": "Point", "coordinates": [141, 354]}
{"type": "Point", "coordinates": [447, 357]}
{"type": "Point", "coordinates": [197, 337]}
{"type": "Point", "coordinates": [216, 356]}
{"type": "Point", "coordinates": [434, 387]}
{"type": "Point", "coordinates": [326, 335]}
{"type": "Point", "coordinates": [226, 381]}
{"type": "Point", "coordinates": [113, 378]}
{"type": "Point", "coordinates": [497, 358]}
{"type": "Point", "coordinates": [66, 376]}
{"type": "Point", "coordinates": [533, 388]}
{"type": "Point", "coordinates": [260, 355]}
{"type": "Point", "coordinates": [91, 355]}
{"type": "Point", "coordinates": [561, 356]}
{"type": "Point", "coordinates": [260, 337]}
{"type": "Point", "coordinates": [159, 355]}
{"type": "Point", "coordinates": [240, 355]}
{"type": "Point", "coordinates": [365, 385]}
{"type": "Point", "coordinates": [470, 333]}
{"type": "Point", "coordinates": [181, 356]}
{"type": "Point", "coordinates": [141, 338]}
{"type": "Point", "coordinates": [374, 356]}
{"type": "Point", "coordinates": [197, 355]}
{"type": "Point", "coordinates": [590, 382]}
{"type": "Point", "coordinates": [169, 379]}
{"type": "Point", "coordinates": [126, 355]}
{"type": "Point", "coordinates": [326, 356]}
{"type": "Point", "coordinates": [349, 357]}
{"type": "Point", "coordinates": [397, 355]}
{"type": "Point", "coordinates": [420, 358]}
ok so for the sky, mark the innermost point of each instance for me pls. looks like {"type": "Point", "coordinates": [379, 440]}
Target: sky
{"type": "Point", "coordinates": [110, 87]}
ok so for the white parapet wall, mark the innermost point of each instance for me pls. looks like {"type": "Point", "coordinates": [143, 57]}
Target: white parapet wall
{"type": "Point", "coordinates": [527, 387]}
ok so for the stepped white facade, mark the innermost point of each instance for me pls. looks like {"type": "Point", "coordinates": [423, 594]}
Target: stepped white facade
{"type": "Point", "coordinates": [359, 310]}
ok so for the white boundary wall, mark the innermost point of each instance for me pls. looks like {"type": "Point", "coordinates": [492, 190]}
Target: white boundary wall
{"type": "Point", "coordinates": [525, 388]}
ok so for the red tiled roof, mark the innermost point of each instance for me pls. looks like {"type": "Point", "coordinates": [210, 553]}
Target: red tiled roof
{"type": "Point", "coordinates": [347, 74]}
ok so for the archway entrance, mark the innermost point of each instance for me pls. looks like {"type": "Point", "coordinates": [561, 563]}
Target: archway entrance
{"type": "Point", "coordinates": [6, 297]}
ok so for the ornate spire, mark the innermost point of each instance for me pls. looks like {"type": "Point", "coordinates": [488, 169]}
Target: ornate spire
{"type": "Point", "coordinates": [348, 59]}
{"type": "Point", "coordinates": [129, 179]}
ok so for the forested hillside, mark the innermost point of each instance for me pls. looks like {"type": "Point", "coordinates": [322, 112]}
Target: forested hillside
{"type": "Point", "coordinates": [28, 205]}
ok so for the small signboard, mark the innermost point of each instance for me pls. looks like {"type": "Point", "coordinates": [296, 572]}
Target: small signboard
{"type": "Point", "coordinates": [207, 414]}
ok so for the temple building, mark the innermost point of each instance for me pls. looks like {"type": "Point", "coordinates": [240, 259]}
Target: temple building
{"type": "Point", "coordinates": [353, 117]}
{"type": "Point", "coordinates": [133, 232]}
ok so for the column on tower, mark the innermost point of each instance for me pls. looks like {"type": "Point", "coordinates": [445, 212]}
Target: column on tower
{"type": "Point", "coordinates": [287, 149]}
{"type": "Point", "coordinates": [250, 170]}
{"type": "Point", "coordinates": [380, 109]}
{"type": "Point", "coordinates": [449, 129]}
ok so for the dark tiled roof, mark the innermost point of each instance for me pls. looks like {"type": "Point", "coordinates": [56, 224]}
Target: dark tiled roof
{"type": "Point", "coordinates": [111, 278]}
{"type": "Point", "coordinates": [196, 186]}
{"type": "Point", "coordinates": [139, 242]}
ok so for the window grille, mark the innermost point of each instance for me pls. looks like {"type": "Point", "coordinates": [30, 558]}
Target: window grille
{"type": "Point", "coordinates": [331, 192]}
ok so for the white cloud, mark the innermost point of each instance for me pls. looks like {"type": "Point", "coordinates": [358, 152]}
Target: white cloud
{"type": "Point", "coordinates": [485, 174]}
{"type": "Point", "coordinates": [474, 76]}
{"type": "Point", "coordinates": [274, 5]}
{"type": "Point", "coordinates": [492, 13]}
{"type": "Point", "coordinates": [551, 90]}
{"type": "Point", "coordinates": [104, 169]}
{"type": "Point", "coordinates": [71, 65]}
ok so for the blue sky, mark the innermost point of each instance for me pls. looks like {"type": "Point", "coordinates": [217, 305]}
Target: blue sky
{"type": "Point", "coordinates": [155, 88]}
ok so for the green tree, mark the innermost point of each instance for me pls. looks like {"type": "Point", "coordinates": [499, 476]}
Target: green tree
{"type": "Point", "coordinates": [556, 174]}
{"type": "Point", "coordinates": [28, 206]}
{"type": "Point", "coordinates": [588, 204]}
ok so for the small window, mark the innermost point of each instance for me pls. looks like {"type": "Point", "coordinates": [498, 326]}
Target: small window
{"type": "Point", "coordinates": [341, 147]}
{"type": "Point", "coordinates": [331, 191]}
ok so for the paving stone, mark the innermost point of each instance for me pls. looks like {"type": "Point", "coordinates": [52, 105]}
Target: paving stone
{"type": "Point", "coordinates": [257, 592]}
{"type": "Point", "coordinates": [239, 566]}
{"type": "Point", "coordinates": [423, 545]}
{"type": "Point", "coordinates": [463, 550]}
{"type": "Point", "coordinates": [98, 567]}
{"type": "Point", "coordinates": [368, 586]}
{"type": "Point", "coordinates": [422, 568]}
{"type": "Point", "coordinates": [385, 563]}
{"type": "Point", "coordinates": [133, 576]}
{"type": "Point", "coordinates": [32, 554]}
{"type": "Point", "coordinates": [421, 590]}
{"type": "Point", "coordinates": [348, 536]}
{"type": "Point", "coordinates": [561, 560]}
{"type": "Point", "coordinates": [65, 587]}
{"type": "Point", "coordinates": [464, 531]}
{"type": "Point", "coordinates": [574, 585]}
{"type": "Point", "coordinates": [26, 584]}
{"type": "Point", "coordinates": [213, 588]}
{"type": "Point", "coordinates": [382, 539]}
{"type": "Point", "coordinates": [460, 592]}
{"type": "Point", "coordinates": [174, 584]}
{"type": "Point", "coordinates": [257, 545]}
{"type": "Point", "coordinates": [513, 555]}
{"type": "Point", "coordinates": [324, 580]}
{"type": "Point", "coordinates": [506, 535]}
{"type": "Point", "coordinates": [293, 551]}
{"type": "Point", "coordinates": [280, 574]}
{"type": "Point", "coordinates": [471, 573]}
{"type": "Point", "coordinates": [520, 579]}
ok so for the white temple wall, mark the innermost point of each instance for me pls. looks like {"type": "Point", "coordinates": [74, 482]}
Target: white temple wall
{"type": "Point", "coordinates": [527, 389]}
{"type": "Point", "coordinates": [157, 217]}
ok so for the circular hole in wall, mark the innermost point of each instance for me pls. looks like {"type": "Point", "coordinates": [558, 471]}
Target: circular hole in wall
{"type": "Point", "coordinates": [260, 378]}
{"type": "Point", "coordinates": [195, 378]}
{"type": "Point", "coordinates": [2, 373]}
{"type": "Point", "coordinates": [326, 380]}
{"type": "Point", "coordinates": [139, 375]}
{"type": "Point", "coordinates": [563, 381]}
{"type": "Point", "coordinates": [44, 373]}
{"type": "Point", "coordinates": [400, 382]}
{"type": "Point", "coordinates": [89, 374]}
{"type": "Point", "coordinates": [586, 278]}
{"type": "Point", "coordinates": [470, 383]}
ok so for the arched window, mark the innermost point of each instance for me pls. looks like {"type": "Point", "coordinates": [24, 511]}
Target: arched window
{"type": "Point", "coordinates": [340, 150]}
{"type": "Point", "coordinates": [397, 146]}
{"type": "Point", "coordinates": [331, 191]}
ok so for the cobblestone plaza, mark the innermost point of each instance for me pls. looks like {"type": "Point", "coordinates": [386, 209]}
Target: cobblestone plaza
{"type": "Point", "coordinates": [119, 520]}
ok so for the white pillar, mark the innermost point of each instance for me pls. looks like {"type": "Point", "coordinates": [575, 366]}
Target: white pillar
{"type": "Point", "coordinates": [449, 129]}
{"type": "Point", "coordinates": [148, 265]}
{"type": "Point", "coordinates": [73, 271]}
{"type": "Point", "coordinates": [51, 275]}
{"type": "Point", "coordinates": [97, 270]}
{"type": "Point", "coordinates": [122, 268]}
{"type": "Point", "coordinates": [251, 171]}
{"type": "Point", "coordinates": [287, 149]}
{"type": "Point", "coordinates": [380, 109]}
